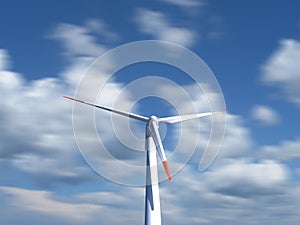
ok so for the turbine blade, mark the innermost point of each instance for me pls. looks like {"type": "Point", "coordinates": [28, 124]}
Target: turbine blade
{"type": "Point", "coordinates": [159, 146]}
{"type": "Point", "coordinates": [127, 114]}
{"type": "Point", "coordinates": [177, 119]}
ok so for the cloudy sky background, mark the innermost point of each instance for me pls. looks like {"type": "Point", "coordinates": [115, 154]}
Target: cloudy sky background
{"type": "Point", "coordinates": [253, 48]}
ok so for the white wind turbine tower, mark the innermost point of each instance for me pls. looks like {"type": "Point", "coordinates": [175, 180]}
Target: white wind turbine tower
{"type": "Point", "coordinates": [153, 144]}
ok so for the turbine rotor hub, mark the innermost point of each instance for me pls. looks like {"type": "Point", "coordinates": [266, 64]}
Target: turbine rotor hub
{"type": "Point", "coordinates": [153, 117]}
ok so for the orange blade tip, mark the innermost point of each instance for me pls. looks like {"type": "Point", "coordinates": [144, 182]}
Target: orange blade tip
{"type": "Point", "coordinates": [165, 164]}
{"type": "Point", "coordinates": [222, 111]}
{"type": "Point", "coordinates": [73, 99]}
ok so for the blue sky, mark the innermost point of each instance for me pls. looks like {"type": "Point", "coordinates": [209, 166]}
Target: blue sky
{"type": "Point", "coordinates": [252, 47]}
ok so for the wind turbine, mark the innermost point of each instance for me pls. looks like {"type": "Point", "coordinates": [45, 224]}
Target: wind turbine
{"type": "Point", "coordinates": [153, 145]}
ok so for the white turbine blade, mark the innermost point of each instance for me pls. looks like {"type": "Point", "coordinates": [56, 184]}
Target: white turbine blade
{"type": "Point", "coordinates": [127, 114]}
{"type": "Point", "coordinates": [177, 119]}
{"type": "Point", "coordinates": [160, 148]}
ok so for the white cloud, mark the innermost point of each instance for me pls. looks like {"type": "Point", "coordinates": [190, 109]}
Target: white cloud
{"type": "Point", "coordinates": [85, 208]}
{"type": "Point", "coordinates": [262, 176]}
{"type": "Point", "coordinates": [242, 190]}
{"type": "Point", "coordinates": [43, 202]}
{"type": "Point", "coordinates": [79, 40]}
{"type": "Point", "coordinates": [237, 144]}
{"type": "Point", "coordinates": [237, 141]}
{"type": "Point", "coordinates": [101, 28]}
{"type": "Point", "coordinates": [285, 151]}
{"type": "Point", "coordinates": [47, 170]}
{"type": "Point", "coordinates": [228, 194]}
{"type": "Point", "coordinates": [36, 130]}
{"type": "Point", "coordinates": [157, 25]}
{"type": "Point", "coordinates": [265, 114]}
{"type": "Point", "coordinates": [282, 68]}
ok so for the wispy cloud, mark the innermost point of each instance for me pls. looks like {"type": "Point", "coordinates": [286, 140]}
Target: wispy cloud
{"type": "Point", "coordinates": [159, 26]}
{"type": "Point", "coordinates": [209, 194]}
{"type": "Point", "coordinates": [99, 27]}
{"type": "Point", "coordinates": [285, 151]}
{"type": "Point", "coordinates": [240, 190]}
{"type": "Point", "coordinates": [271, 174]}
{"type": "Point", "coordinates": [186, 3]}
{"type": "Point", "coordinates": [233, 147]}
{"type": "Point", "coordinates": [281, 70]}
{"type": "Point", "coordinates": [36, 130]}
{"type": "Point", "coordinates": [81, 40]}
{"type": "Point", "coordinates": [43, 202]}
{"type": "Point", "coordinates": [89, 207]}
{"type": "Point", "coordinates": [265, 115]}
